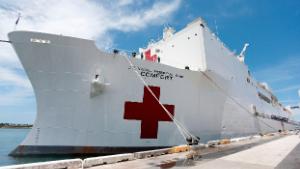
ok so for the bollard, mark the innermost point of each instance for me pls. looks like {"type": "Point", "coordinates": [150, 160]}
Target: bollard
{"type": "Point", "coordinates": [151, 153]}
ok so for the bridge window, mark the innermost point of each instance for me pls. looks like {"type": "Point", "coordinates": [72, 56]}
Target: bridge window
{"type": "Point", "coordinates": [264, 98]}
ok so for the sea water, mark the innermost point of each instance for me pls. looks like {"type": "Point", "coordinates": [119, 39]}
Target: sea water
{"type": "Point", "coordinates": [10, 139]}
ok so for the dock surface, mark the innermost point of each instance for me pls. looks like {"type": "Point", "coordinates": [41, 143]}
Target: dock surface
{"type": "Point", "coordinates": [281, 153]}
{"type": "Point", "coordinates": [265, 156]}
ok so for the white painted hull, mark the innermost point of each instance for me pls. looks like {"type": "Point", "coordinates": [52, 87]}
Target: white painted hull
{"type": "Point", "coordinates": [70, 119]}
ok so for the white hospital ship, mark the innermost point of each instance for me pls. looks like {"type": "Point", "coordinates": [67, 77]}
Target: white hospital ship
{"type": "Point", "coordinates": [188, 84]}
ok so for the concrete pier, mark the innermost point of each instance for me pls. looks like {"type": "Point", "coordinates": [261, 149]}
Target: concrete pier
{"type": "Point", "coordinates": [255, 153]}
{"type": "Point", "coordinates": [277, 150]}
{"type": "Point", "coordinates": [265, 156]}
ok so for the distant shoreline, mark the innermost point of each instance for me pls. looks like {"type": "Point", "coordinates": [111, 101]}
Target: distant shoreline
{"type": "Point", "coordinates": [12, 127]}
{"type": "Point", "coordinates": [15, 126]}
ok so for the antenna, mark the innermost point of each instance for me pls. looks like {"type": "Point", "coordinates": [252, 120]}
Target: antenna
{"type": "Point", "coordinates": [241, 57]}
{"type": "Point", "coordinates": [168, 33]}
{"type": "Point", "coordinates": [17, 21]}
{"type": "Point", "coordinates": [217, 32]}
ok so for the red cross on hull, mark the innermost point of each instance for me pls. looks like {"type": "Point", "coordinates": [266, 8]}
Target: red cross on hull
{"type": "Point", "coordinates": [150, 112]}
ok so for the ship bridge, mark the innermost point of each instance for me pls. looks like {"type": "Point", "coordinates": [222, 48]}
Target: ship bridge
{"type": "Point", "coordinates": [195, 48]}
{"type": "Point", "coordinates": [183, 49]}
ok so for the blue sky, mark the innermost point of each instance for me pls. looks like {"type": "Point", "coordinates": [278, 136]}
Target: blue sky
{"type": "Point", "coordinates": [272, 28]}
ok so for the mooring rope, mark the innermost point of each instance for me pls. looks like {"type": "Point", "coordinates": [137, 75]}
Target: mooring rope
{"type": "Point", "coordinates": [233, 99]}
{"type": "Point", "coordinates": [5, 41]}
{"type": "Point", "coordinates": [183, 131]}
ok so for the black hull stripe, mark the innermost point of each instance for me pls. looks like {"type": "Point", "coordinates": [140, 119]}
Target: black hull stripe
{"type": "Point", "coordinates": [24, 150]}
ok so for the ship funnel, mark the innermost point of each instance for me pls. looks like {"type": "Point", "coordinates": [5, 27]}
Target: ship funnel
{"type": "Point", "coordinates": [241, 57]}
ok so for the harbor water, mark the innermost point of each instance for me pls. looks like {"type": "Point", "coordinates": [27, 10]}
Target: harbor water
{"type": "Point", "coordinates": [9, 139]}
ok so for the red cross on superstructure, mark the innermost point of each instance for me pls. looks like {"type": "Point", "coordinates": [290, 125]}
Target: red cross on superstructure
{"type": "Point", "coordinates": [150, 57]}
{"type": "Point", "coordinates": [150, 112]}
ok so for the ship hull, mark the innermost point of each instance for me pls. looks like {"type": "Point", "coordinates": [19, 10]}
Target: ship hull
{"type": "Point", "coordinates": [74, 116]}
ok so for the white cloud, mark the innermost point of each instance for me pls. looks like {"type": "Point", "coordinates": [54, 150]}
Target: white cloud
{"type": "Point", "coordinates": [288, 88]}
{"type": "Point", "coordinates": [81, 18]}
{"type": "Point", "coordinates": [125, 2]}
{"type": "Point", "coordinates": [14, 88]}
{"type": "Point", "coordinates": [9, 77]}
{"type": "Point", "coordinates": [16, 96]}
{"type": "Point", "coordinates": [230, 9]}
{"type": "Point", "coordinates": [289, 101]}
{"type": "Point", "coordinates": [287, 69]}
{"type": "Point", "coordinates": [157, 14]}
{"type": "Point", "coordinates": [282, 76]}
{"type": "Point", "coordinates": [86, 19]}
